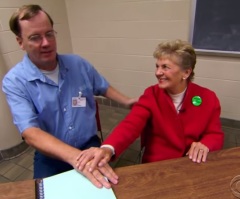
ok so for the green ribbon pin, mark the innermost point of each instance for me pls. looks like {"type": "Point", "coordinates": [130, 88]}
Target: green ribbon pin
{"type": "Point", "coordinates": [196, 100]}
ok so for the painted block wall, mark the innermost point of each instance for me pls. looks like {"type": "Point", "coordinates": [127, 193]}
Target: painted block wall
{"type": "Point", "coordinates": [119, 36]}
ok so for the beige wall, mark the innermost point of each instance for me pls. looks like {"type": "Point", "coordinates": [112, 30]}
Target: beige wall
{"type": "Point", "coordinates": [119, 36]}
{"type": "Point", "coordinates": [8, 133]}
{"type": "Point", "coordinates": [10, 54]}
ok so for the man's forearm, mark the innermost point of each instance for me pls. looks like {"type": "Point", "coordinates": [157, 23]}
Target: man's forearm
{"type": "Point", "coordinates": [50, 146]}
{"type": "Point", "coordinates": [117, 96]}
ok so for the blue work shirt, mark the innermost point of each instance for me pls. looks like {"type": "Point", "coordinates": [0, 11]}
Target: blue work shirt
{"type": "Point", "coordinates": [36, 101]}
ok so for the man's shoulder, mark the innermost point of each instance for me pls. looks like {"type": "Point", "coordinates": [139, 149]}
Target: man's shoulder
{"type": "Point", "coordinates": [21, 68]}
{"type": "Point", "coordinates": [73, 61]}
{"type": "Point", "coordinates": [18, 70]}
{"type": "Point", "coordinates": [70, 57]}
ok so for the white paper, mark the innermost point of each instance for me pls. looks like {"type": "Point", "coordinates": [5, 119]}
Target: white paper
{"type": "Point", "coordinates": [73, 185]}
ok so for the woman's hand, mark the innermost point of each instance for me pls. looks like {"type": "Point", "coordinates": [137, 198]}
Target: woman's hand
{"type": "Point", "coordinates": [93, 157]}
{"type": "Point", "coordinates": [198, 152]}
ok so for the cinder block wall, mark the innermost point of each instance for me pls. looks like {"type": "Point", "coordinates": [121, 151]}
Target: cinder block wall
{"type": "Point", "coordinates": [119, 37]}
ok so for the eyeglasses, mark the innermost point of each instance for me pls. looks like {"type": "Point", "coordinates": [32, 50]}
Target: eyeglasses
{"type": "Point", "coordinates": [50, 36]}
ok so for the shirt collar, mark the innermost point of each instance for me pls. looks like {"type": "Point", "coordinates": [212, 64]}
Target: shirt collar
{"type": "Point", "coordinates": [33, 73]}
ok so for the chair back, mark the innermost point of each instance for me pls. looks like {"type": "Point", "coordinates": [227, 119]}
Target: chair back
{"type": "Point", "coordinates": [143, 140]}
{"type": "Point", "coordinates": [98, 121]}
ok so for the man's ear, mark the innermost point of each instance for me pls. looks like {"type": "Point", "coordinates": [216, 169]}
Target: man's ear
{"type": "Point", "coordinates": [20, 42]}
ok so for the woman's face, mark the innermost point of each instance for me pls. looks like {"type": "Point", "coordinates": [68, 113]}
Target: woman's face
{"type": "Point", "coordinates": [171, 76]}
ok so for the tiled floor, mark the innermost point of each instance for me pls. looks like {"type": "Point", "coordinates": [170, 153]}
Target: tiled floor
{"type": "Point", "coordinates": [21, 167]}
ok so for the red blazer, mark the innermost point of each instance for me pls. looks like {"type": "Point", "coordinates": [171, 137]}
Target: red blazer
{"type": "Point", "coordinates": [170, 134]}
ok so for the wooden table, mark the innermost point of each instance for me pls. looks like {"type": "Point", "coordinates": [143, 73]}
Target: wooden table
{"type": "Point", "coordinates": [171, 179]}
{"type": "Point", "coordinates": [180, 178]}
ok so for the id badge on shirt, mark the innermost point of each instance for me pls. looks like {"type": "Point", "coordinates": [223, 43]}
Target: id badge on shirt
{"type": "Point", "coordinates": [78, 101]}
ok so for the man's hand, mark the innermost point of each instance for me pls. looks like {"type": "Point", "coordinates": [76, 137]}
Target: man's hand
{"type": "Point", "coordinates": [131, 101]}
{"type": "Point", "coordinates": [101, 176]}
{"type": "Point", "coordinates": [198, 152]}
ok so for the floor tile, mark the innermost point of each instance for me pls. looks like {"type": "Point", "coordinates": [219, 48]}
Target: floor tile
{"type": "Point", "coordinates": [14, 172]}
{"type": "Point", "coordinates": [131, 155]}
{"type": "Point", "coordinates": [25, 160]}
{"type": "Point", "coordinates": [26, 175]}
{"type": "Point", "coordinates": [135, 145]}
{"type": "Point", "coordinates": [30, 168]}
{"type": "Point", "coordinates": [5, 167]}
{"type": "Point", "coordinates": [4, 180]}
{"type": "Point", "coordinates": [123, 163]}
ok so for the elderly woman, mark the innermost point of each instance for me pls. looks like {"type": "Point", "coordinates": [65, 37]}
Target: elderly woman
{"type": "Point", "coordinates": [174, 117]}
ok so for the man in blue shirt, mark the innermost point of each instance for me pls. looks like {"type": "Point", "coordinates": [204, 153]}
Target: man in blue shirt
{"type": "Point", "coordinates": [51, 97]}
